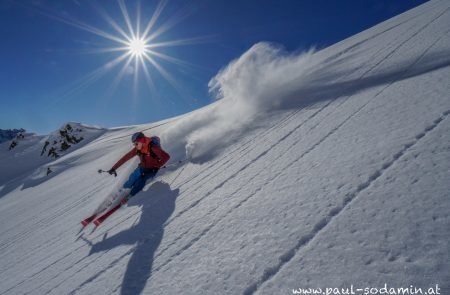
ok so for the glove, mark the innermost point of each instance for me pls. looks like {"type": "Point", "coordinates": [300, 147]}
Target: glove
{"type": "Point", "coordinates": [112, 172]}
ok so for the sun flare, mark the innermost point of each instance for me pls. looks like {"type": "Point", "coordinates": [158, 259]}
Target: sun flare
{"type": "Point", "coordinates": [136, 47]}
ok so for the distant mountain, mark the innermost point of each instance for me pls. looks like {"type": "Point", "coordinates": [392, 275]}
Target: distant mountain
{"type": "Point", "coordinates": [55, 143]}
{"type": "Point", "coordinates": [9, 134]}
{"type": "Point", "coordinates": [63, 139]}
{"type": "Point", "coordinates": [36, 151]}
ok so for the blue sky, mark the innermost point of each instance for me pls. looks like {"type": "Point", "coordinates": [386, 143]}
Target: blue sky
{"type": "Point", "coordinates": [51, 50]}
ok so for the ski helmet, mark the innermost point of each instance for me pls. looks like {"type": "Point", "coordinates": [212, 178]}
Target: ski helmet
{"type": "Point", "coordinates": [136, 136]}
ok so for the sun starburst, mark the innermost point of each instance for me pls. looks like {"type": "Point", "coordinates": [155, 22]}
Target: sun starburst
{"type": "Point", "coordinates": [137, 50]}
{"type": "Point", "coordinates": [136, 47]}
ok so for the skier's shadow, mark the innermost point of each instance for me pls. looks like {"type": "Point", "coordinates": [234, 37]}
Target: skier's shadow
{"type": "Point", "coordinates": [158, 204]}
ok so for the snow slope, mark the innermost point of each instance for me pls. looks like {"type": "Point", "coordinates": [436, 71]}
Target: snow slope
{"type": "Point", "coordinates": [328, 170]}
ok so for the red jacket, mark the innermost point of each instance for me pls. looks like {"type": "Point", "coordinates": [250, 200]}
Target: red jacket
{"type": "Point", "coordinates": [154, 159]}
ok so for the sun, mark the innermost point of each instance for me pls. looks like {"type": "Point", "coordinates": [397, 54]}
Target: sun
{"type": "Point", "coordinates": [137, 47]}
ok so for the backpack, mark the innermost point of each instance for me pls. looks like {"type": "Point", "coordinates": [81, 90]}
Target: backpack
{"type": "Point", "coordinates": [150, 142]}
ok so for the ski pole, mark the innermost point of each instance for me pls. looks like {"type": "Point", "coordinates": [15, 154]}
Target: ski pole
{"type": "Point", "coordinates": [104, 171]}
{"type": "Point", "coordinates": [173, 164]}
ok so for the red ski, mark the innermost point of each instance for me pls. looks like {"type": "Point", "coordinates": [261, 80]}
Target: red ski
{"type": "Point", "coordinates": [88, 220]}
{"type": "Point", "coordinates": [102, 218]}
{"type": "Point", "coordinates": [91, 218]}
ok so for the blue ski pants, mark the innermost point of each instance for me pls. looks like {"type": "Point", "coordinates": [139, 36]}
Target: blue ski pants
{"type": "Point", "coordinates": [138, 178]}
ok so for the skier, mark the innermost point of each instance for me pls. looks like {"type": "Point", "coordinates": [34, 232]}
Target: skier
{"type": "Point", "coordinates": [152, 157]}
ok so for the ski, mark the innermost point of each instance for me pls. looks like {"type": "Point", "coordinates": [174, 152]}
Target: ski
{"type": "Point", "coordinates": [102, 218]}
{"type": "Point", "coordinates": [88, 220]}
{"type": "Point", "coordinates": [91, 218]}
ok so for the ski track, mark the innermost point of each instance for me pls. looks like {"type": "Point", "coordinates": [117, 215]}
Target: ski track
{"type": "Point", "coordinates": [390, 28]}
{"type": "Point", "coordinates": [80, 260]}
{"type": "Point", "coordinates": [41, 260]}
{"type": "Point", "coordinates": [47, 220]}
{"type": "Point", "coordinates": [305, 240]}
{"type": "Point", "coordinates": [98, 274]}
{"type": "Point", "coordinates": [243, 150]}
{"type": "Point", "coordinates": [128, 135]}
{"type": "Point", "coordinates": [240, 149]}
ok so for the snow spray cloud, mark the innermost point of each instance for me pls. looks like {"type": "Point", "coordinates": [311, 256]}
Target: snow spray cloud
{"type": "Point", "coordinates": [263, 79]}
{"type": "Point", "coordinates": [266, 78]}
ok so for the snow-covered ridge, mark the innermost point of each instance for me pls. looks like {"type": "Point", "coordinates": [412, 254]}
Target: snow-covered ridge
{"type": "Point", "coordinates": [34, 154]}
{"type": "Point", "coordinates": [71, 134]}
{"type": "Point", "coordinates": [334, 177]}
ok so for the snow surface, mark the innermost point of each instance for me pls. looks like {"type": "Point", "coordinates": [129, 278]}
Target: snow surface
{"type": "Point", "coordinates": [325, 169]}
